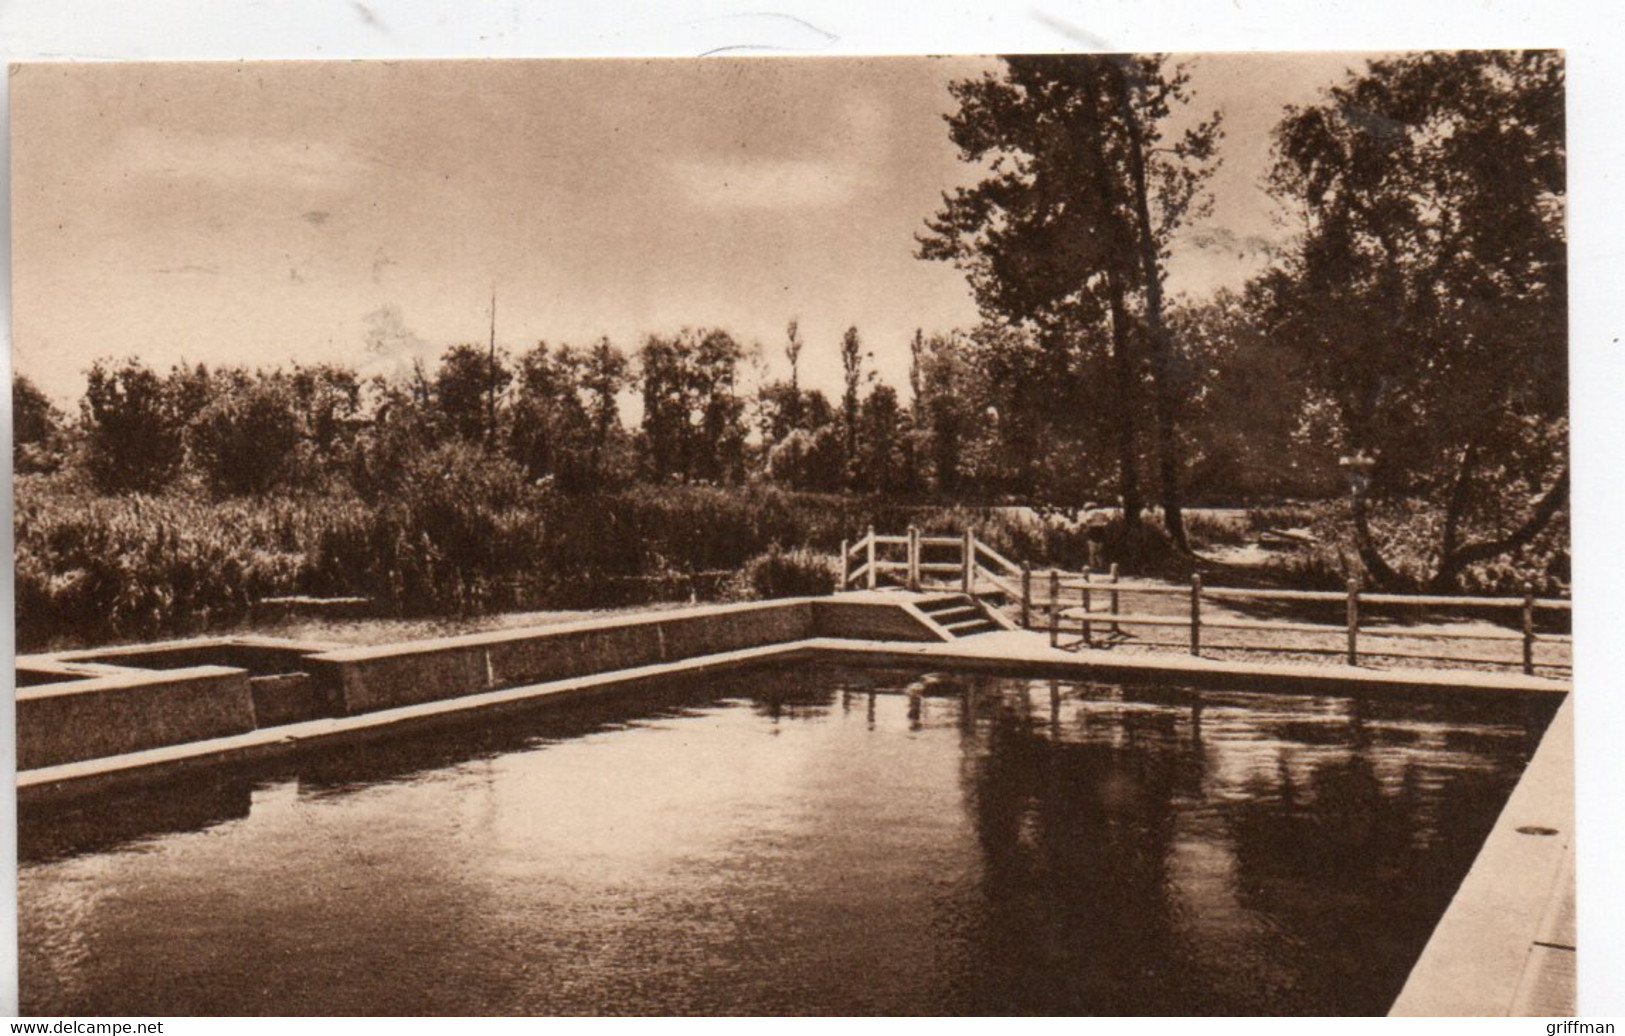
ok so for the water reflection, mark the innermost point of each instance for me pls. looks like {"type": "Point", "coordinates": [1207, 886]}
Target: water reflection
{"type": "Point", "coordinates": [194, 803]}
{"type": "Point", "coordinates": [791, 840]}
{"type": "Point", "coordinates": [1075, 819]}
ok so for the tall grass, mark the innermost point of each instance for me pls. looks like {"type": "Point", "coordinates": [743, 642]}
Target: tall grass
{"type": "Point", "coordinates": [137, 566]}
{"type": "Point", "coordinates": [453, 535]}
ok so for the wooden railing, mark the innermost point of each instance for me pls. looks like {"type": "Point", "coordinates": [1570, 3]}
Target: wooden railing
{"type": "Point", "coordinates": [963, 562]}
{"type": "Point", "coordinates": [1085, 610]}
{"type": "Point", "coordinates": [1096, 613]}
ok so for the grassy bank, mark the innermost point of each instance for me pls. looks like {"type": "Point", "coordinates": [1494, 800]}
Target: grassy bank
{"type": "Point", "coordinates": [94, 568]}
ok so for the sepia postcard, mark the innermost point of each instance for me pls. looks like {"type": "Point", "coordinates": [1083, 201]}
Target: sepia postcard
{"type": "Point", "coordinates": [1032, 535]}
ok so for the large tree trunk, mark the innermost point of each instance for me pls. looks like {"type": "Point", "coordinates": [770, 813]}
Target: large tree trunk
{"type": "Point", "coordinates": [1128, 474]}
{"type": "Point", "coordinates": [1366, 548]}
{"type": "Point", "coordinates": [1454, 556]}
{"type": "Point", "coordinates": [1454, 562]}
{"type": "Point", "coordinates": [1123, 379]}
{"type": "Point", "coordinates": [1161, 342]}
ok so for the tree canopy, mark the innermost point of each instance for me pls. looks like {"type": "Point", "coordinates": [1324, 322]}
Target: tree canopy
{"type": "Point", "coordinates": [1428, 295]}
{"type": "Point", "coordinates": [1067, 231]}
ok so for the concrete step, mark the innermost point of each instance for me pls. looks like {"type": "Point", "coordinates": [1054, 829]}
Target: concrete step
{"type": "Point", "coordinates": [934, 605]}
{"type": "Point", "coordinates": [970, 626]}
{"type": "Point", "coordinates": [958, 614]}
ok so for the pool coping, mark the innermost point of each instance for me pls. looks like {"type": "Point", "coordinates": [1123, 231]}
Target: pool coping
{"type": "Point", "coordinates": [1014, 652]}
{"type": "Point", "coordinates": [90, 776]}
{"type": "Point", "coordinates": [1022, 652]}
{"type": "Point", "coordinates": [1505, 945]}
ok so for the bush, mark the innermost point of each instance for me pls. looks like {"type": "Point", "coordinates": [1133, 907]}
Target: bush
{"type": "Point", "coordinates": [462, 532]}
{"type": "Point", "coordinates": [247, 438]}
{"type": "Point", "coordinates": [694, 528]}
{"type": "Point", "coordinates": [790, 573]}
{"type": "Point", "coordinates": [1407, 533]}
{"type": "Point", "coordinates": [140, 566]}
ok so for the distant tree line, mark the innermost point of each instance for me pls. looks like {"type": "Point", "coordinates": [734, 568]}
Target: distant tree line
{"type": "Point", "coordinates": [978, 422]}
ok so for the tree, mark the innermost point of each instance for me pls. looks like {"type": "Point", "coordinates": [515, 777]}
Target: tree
{"type": "Point", "coordinates": [565, 415]}
{"type": "Point", "coordinates": [852, 376]}
{"type": "Point", "coordinates": [1017, 381]}
{"type": "Point", "coordinates": [776, 411]}
{"type": "Point", "coordinates": [328, 399]}
{"type": "Point", "coordinates": [946, 407]}
{"type": "Point", "coordinates": [549, 433]}
{"type": "Point", "coordinates": [882, 434]}
{"type": "Point", "coordinates": [693, 426]}
{"type": "Point", "coordinates": [1074, 218]}
{"type": "Point", "coordinates": [246, 439]}
{"type": "Point", "coordinates": [807, 459]}
{"type": "Point", "coordinates": [35, 425]}
{"type": "Point", "coordinates": [1242, 415]}
{"type": "Point", "coordinates": [468, 379]}
{"type": "Point", "coordinates": [792, 352]}
{"type": "Point", "coordinates": [916, 371]}
{"type": "Point", "coordinates": [401, 423]}
{"type": "Point", "coordinates": [1428, 294]}
{"type": "Point", "coordinates": [134, 424]}
{"type": "Point", "coordinates": [604, 373]}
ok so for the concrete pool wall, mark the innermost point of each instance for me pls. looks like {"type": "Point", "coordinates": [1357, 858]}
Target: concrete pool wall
{"type": "Point", "coordinates": [383, 677]}
{"type": "Point", "coordinates": [83, 705]}
{"type": "Point", "coordinates": [108, 715]}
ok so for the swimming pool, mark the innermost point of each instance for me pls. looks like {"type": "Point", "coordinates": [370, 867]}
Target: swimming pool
{"type": "Point", "coordinates": [792, 840]}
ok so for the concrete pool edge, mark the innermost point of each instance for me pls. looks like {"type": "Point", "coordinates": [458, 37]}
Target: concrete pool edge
{"type": "Point", "coordinates": [1020, 652]}
{"type": "Point", "coordinates": [90, 776]}
{"type": "Point", "coordinates": [1012, 652]}
{"type": "Point", "coordinates": [1506, 944]}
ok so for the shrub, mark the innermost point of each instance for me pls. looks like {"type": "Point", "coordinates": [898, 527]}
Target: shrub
{"type": "Point", "coordinates": [138, 565]}
{"type": "Point", "coordinates": [790, 573]}
{"type": "Point", "coordinates": [463, 531]}
{"type": "Point", "coordinates": [1407, 533]}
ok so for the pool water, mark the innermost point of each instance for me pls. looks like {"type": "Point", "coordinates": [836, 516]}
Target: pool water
{"type": "Point", "coordinates": [802, 841]}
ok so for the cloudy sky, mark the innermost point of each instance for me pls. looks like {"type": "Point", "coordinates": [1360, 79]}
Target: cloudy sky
{"type": "Point", "coordinates": [361, 211]}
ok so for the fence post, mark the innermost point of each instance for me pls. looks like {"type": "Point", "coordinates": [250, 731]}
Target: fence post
{"type": "Point", "coordinates": [914, 557]}
{"type": "Point", "coordinates": [1088, 605]}
{"type": "Point", "coordinates": [871, 557]}
{"type": "Point", "coordinates": [970, 560]}
{"type": "Point", "coordinates": [1529, 629]}
{"type": "Point", "coordinates": [1354, 622]}
{"type": "Point", "coordinates": [846, 563]}
{"type": "Point", "coordinates": [1026, 596]}
{"type": "Point", "coordinates": [1054, 608]}
{"type": "Point", "coordinates": [1115, 630]}
{"type": "Point", "coordinates": [1196, 615]}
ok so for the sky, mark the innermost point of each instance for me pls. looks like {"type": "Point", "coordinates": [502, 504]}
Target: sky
{"type": "Point", "coordinates": [363, 212]}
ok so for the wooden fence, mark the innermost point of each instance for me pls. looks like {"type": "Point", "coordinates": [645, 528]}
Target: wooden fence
{"type": "Point", "coordinates": [1087, 610]}
{"type": "Point", "coordinates": [960, 562]}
